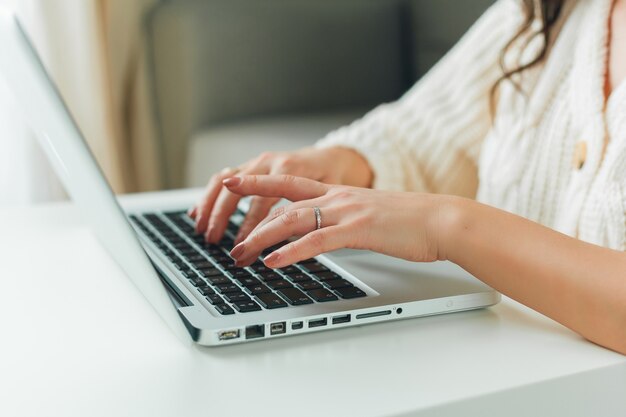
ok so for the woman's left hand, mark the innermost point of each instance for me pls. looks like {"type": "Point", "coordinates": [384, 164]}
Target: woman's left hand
{"type": "Point", "coordinates": [401, 224]}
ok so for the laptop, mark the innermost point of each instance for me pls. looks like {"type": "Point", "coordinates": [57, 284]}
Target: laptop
{"type": "Point", "coordinates": [196, 288]}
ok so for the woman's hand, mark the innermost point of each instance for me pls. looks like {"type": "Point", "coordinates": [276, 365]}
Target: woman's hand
{"type": "Point", "coordinates": [400, 224]}
{"type": "Point", "coordinates": [330, 165]}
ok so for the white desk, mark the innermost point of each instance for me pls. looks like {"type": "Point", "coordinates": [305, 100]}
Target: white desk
{"type": "Point", "coordinates": [79, 340]}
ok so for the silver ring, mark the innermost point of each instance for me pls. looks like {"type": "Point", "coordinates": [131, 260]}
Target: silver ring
{"type": "Point", "coordinates": [318, 217]}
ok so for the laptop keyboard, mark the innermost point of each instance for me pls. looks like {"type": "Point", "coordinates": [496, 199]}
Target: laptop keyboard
{"type": "Point", "coordinates": [230, 289]}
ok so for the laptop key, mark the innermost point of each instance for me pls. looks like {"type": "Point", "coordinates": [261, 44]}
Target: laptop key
{"type": "Point", "coordinates": [279, 284]}
{"type": "Point", "coordinates": [197, 282]}
{"type": "Point", "coordinates": [246, 306]}
{"type": "Point", "coordinates": [236, 297]}
{"type": "Point", "coordinates": [224, 309]}
{"type": "Point", "coordinates": [298, 277]}
{"type": "Point", "coordinates": [295, 297]}
{"type": "Point", "coordinates": [258, 289]}
{"type": "Point", "coordinates": [204, 264]}
{"type": "Point", "coordinates": [217, 280]}
{"type": "Point", "coordinates": [214, 299]}
{"type": "Point", "coordinates": [208, 272]}
{"type": "Point", "coordinates": [308, 285]}
{"type": "Point", "coordinates": [226, 288]}
{"type": "Point", "coordinates": [206, 290]}
{"type": "Point", "coordinates": [249, 281]}
{"type": "Point", "coordinates": [269, 276]}
{"type": "Point", "coordinates": [314, 267]}
{"type": "Point", "coordinates": [239, 273]}
{"type": "Point", "coordinates": [327, 276]}
{"type": "Point", "coordinates": [337, 283]}
{"type": "Point", "coordinates": [350, 292]}
{"type": "Point", "coordinates": [322, 295]}
{"type": "Point", "coordinates": [271, 300]}
{"type": "Point", "coordinates": [289, 269]}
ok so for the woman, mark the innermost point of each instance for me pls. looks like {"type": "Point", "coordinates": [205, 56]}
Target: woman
{"type": "Point", "coordinates": [528, 114]}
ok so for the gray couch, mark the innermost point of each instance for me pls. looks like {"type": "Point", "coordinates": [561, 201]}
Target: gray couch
{"type": "Point", "coordinates": [232, 78]}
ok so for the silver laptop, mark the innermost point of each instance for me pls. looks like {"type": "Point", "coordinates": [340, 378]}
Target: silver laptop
{"type": "Point", "coordinates": [195, 287]}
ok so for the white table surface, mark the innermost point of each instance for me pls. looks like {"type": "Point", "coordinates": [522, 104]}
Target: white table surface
{"type": "Point", "coordinates": [79, 340]}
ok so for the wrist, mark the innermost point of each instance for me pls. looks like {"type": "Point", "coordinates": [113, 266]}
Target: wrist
{"type": "Point", "coordinates": [454, 218]}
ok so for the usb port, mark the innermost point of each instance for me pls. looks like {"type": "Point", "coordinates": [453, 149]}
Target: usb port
{"type": "Point", "coordinates": [278, 328]}
{"type": "Point", "coordinates": [296, 325]}
{"type": "Point", "coordinates": [341, 319]}
{"type": "Point", "coordinates": [318, 322]}
{"type": "Point", "coordinates": [228, 334]}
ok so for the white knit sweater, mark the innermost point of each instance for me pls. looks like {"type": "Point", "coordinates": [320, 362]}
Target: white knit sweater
{"type": "Point", "coordinates": [439, 137]}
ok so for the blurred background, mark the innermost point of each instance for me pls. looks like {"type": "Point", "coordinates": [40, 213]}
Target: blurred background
{"type": "Point", "coordinates": [167, 92]}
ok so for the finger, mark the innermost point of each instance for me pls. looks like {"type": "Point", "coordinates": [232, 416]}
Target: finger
{"type": "Point", "coordinates": [224, 207]}
{"type": "Point", "coordinates": [279, 211]}
{"type": "Point", "coordinates": [292, 223]}
{"type": "Point", "coordinates": [285, 186]}
{"type": "Point", "coordinates": [259, 209]}
{"type": "Point", "coordinates": [205, 206]}
{"type": "Point", "coordinates": [315, 243]}
{"type": "Point", "coordinates": [192, 212]}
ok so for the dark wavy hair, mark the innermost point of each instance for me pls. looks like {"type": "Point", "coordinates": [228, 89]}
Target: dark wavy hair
{"type": "Point", "coordinates": [547, 12]}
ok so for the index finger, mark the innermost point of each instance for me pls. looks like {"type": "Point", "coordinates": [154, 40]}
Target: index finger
{"type": "Point", "coordinates": [284, 186]}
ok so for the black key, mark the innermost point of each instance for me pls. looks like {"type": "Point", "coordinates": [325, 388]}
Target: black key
{"type": "Point", "coordinates": [258, 289]}
{"type": "Point", "coordinates": [195, 258]}
{"type": "Point", "coordinates": [314, 267]}
{"type": "Point", "coordinates": [214, 299]}
{"type": "Point", "coordinates": [226, 288]}
{"type": "Point", "coordinates": [246, 306]}
{"type": "Point", "coordinates": [208, 272]}
{"type": "Point", "coordinates": [308, 285]}
{"type": "Point", "coordinates": [327, 276]}
{"type": "Point", "coordinates": [229, 265]}
{"type": "Point", "coordinates": [322, 295]}
{"type": "Point", "coordinates": [298, 277]}
{"type": "Point", "coordinates": [204, 264]}
{"type": "Point", "coordinates": [224, 309]}
{"type": "Point", "coordinates": [294, 296]}
{"type": "Point", "coordinates": [249, 281]}
{"type": "Point", "coordinates": [260, 267]}
{"type": "Point", "coordinates": [217, 280]}
{"type": "Point", "coordinates": [337, 283]}
{"type": "Point", "coordinates": [206, 290]}
{"type": "Point", "coordinates": [271, 300]}
{"type": "Point", "coordinates": [239, 273]}
{"type": "Point", "coordinates": [270, 276]}
{"type": "Point", "coordinates": [234, 297]}
{"type": "Point", "coordinates": [350, 292]}
{"type": "Point", "coordinates": [307, 261]}
{"type": "Point", "coordinates": [289, 270]}
{"type": "Point", "coordinates": [188, 273]}
{"type": "Point", "coordinates": [198, 282]}
{"type": "Point", "coordinates": [279, 284]}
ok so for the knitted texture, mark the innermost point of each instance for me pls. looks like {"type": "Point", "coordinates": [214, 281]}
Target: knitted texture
{"type": "Point", "coordinates": [440, 136]}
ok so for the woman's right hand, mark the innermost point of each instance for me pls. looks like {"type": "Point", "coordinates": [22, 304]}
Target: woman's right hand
{"type": "Point", "coordinates": [335, 165]}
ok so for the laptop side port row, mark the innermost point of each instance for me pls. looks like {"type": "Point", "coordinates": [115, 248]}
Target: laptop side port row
{"type": "Point", "coordinates": [278, 328]}
{"type": "Point", "coordinates": [318, 322]}
{"type": "Point", "coordinates": [342, 319]}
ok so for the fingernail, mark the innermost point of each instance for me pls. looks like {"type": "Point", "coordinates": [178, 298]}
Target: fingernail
{"type": "Point", "coordinates": [232, 181]}
{"type": "Point", "coordinates": [272, 258]}
{"type": "Point", "coordinates": [237, 250]}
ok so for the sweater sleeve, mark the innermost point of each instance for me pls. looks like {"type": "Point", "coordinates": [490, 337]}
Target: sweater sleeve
{"type": "Point", "coordinates": [429, 140]}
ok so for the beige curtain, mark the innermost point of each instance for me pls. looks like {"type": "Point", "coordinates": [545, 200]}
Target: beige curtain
{"type": "Point", "coordinates": [94, 50]}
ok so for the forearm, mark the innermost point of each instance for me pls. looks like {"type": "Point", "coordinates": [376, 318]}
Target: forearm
{"type": "Point", "coordinates": [580, 285]}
